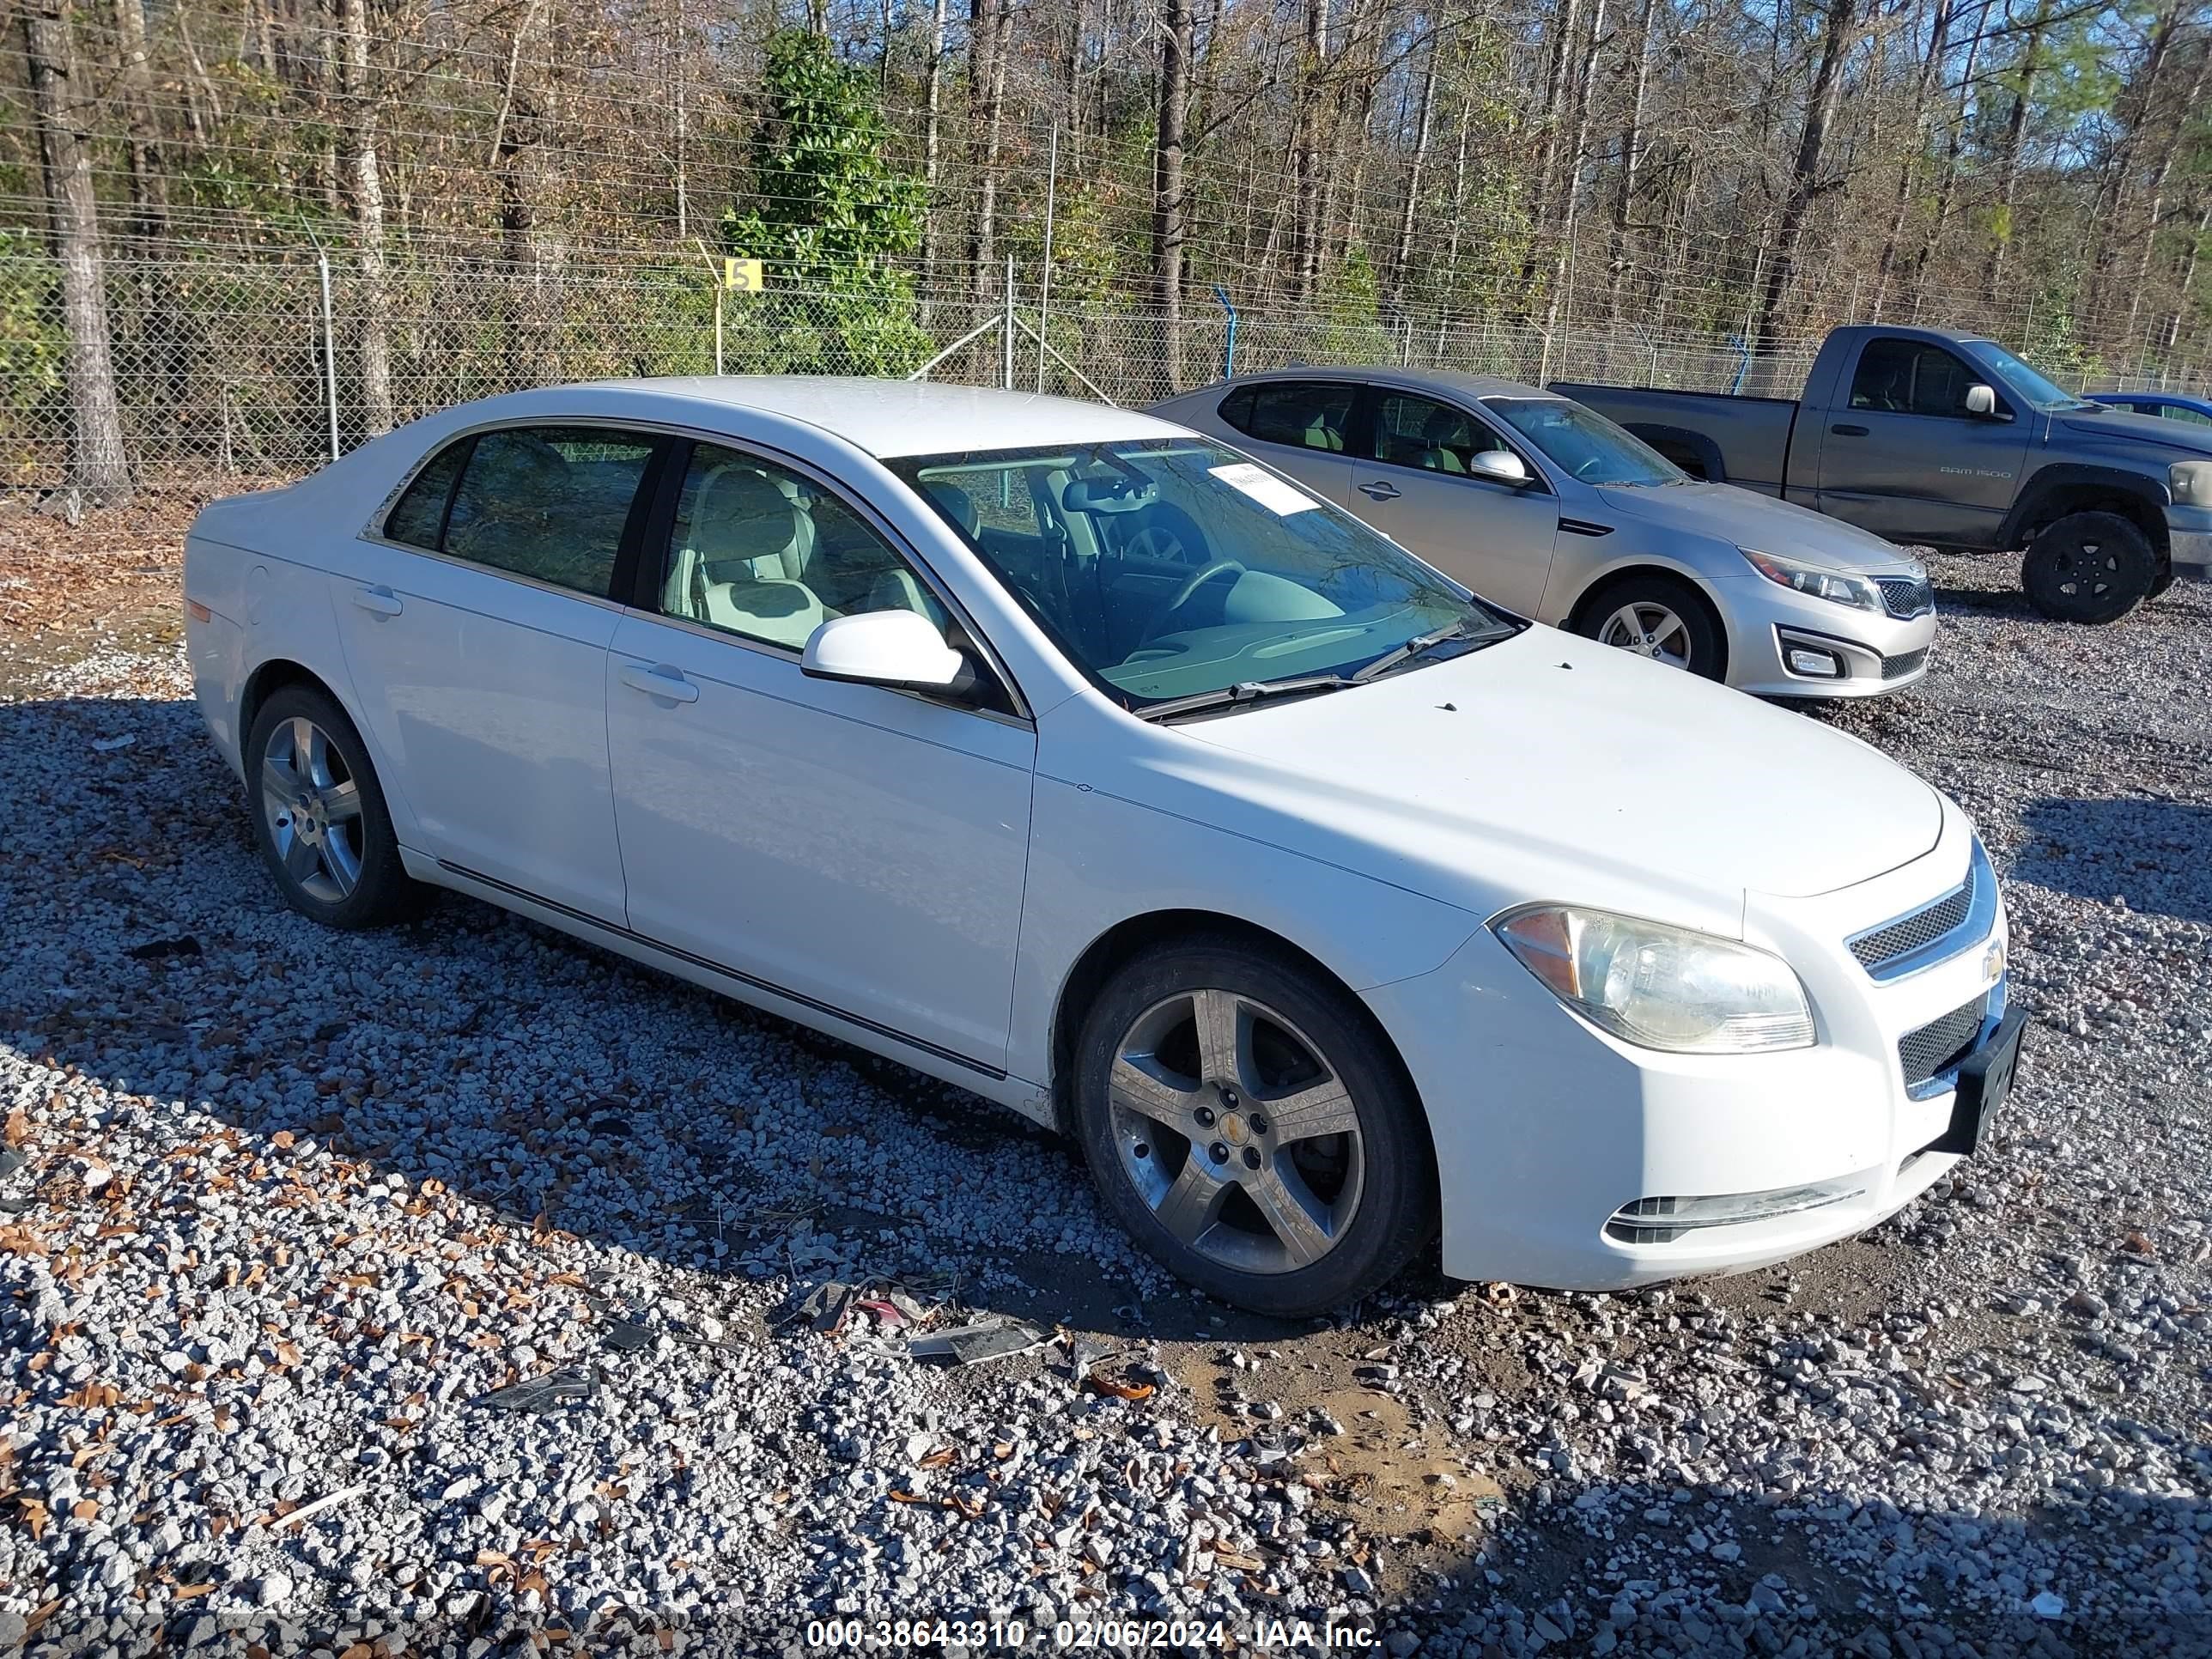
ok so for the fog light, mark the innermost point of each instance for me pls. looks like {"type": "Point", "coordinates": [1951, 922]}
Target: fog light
{"type": "Point", "coordinates": [1818, 665]}
{"type": "Point", "coordinates": [1662, 1220]}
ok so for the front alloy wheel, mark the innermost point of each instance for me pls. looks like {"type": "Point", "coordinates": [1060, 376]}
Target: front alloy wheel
{"type": "Point", "coordinates": [1236, 1132]}
{"type": "Point", "coordinates": [1247, 1121]}
{"type": "Point", "coordinates": [1650, 629]}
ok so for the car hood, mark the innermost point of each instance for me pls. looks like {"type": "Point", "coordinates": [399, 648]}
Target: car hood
{"type": "Point", "coordinates": [1550, 762]}
{"type": "Point", "coordinates": [1750, 519]}
{"type": "Point", "coordinates": [2124, 426]}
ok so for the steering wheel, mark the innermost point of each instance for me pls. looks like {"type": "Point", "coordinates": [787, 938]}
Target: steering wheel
{"type": "Point", "coordinates": [1590, 466]}
{"type": "Point", "coordinates": [1183, 595]}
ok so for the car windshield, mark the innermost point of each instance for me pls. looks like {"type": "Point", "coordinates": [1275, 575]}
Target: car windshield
{"type": "Point", "coordinates": [1173, 568]}
{"type": "Point", "coordinates": [1584, 444]}
{"type": "Point", "coordinates": [2019, 378]}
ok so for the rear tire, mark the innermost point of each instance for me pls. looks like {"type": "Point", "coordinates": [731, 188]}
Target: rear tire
{"type": "Point", "coordinates": [1662, 618]}
{"type": "Point", "coordinates": [319, 816]}
{"type": "Point", "coordinates": [1250, 1129]}
{"type": "Point", "coordinates": [2089, 567]}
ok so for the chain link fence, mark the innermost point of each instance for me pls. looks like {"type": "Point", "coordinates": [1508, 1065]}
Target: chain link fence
{"type": "Point", "coordinates": [233, 367]}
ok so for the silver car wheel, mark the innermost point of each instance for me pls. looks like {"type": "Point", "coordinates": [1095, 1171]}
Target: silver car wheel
{"type": "Point", "coordinates": [1648, 629]}
{"type": "Point", "coordinates": [1236, 1132]}
{"type": "Point", "coordinates": [312, 808]}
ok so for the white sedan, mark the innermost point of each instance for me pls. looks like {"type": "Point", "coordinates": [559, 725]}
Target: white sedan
{"type": "Point", "coordinates": [1327, 906]}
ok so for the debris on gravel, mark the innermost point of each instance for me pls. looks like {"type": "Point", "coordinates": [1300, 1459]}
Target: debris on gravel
{"type": "Point", "coordinates": [438, 1289]}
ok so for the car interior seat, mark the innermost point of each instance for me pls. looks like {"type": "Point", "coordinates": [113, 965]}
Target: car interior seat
{"type": "Point", "coordinates": [1443, 435]}
{"type": "Point", "coordinates": [750, 541]}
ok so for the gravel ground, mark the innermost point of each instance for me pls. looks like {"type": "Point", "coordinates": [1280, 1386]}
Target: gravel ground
{"type": "Point", "coordinates": [281, 1208]}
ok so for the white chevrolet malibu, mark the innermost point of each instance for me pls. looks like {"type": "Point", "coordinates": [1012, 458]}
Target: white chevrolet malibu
{"type": "Point", "coordinates": [1327, 906]}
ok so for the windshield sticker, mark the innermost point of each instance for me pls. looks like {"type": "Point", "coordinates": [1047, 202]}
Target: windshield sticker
{"type": "Point", "coordinates": [1265, 488]}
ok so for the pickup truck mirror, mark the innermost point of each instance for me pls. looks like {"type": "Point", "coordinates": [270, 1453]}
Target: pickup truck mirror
{"type": "Point", "coordinates": [1498, 466]}
{"type": "Point", "coordinates": [1982, 401]}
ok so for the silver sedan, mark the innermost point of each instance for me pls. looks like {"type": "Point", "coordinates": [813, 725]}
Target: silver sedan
{"type": "Point", "coordinates": [1549, 509]}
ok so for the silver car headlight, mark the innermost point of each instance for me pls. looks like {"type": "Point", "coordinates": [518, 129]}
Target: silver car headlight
{"type": "Point", "coordinates": [1821, 583]}
{"type": "Point", "coordinates": [2191, 483]}
{"type": "Point", "coordinates": [1659, 987]}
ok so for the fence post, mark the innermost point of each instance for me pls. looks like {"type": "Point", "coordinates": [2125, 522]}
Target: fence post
{"type": "Point", "coordinates": [330, 348]}
{"type": "Point", "coordinates": [1006, 326]}
{"type": "Point", "coordinates": [1228, 347]}
{"type": "Point", "coordinates": [1044, 284]}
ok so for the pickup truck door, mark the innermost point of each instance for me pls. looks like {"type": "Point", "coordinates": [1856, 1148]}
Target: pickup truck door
{"type": "Point", "coordinates": [1901, 456]}
{"type": "Point", "coordinates": [1416, 489]}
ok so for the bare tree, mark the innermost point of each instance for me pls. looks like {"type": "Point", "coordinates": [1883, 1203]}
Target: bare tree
{"type": "Point", "coordinates": [1167, 202]}
{"type": "Point", "coordinates": [1808, 176]}
{"type": "Point", "coordinates": [365, 195]}
{"type": "Point", "coordinates": [97, 464]}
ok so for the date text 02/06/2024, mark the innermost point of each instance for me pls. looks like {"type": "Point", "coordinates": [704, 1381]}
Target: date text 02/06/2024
{"type": "Point", "coordinates": [1272, 1635]}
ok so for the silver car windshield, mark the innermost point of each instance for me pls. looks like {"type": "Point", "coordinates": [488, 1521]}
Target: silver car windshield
{"type": "Point", "coordinates": [1172, 568]}
{"type": "Point", "coordinates": [1584, 444]}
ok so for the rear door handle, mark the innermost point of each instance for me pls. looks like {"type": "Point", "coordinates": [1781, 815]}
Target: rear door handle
{"type": "Point", "coordinates": [1379, 492]}
{"type": "Point", "coordinates": [1849, 431]}
{"type": "Point", "coordinates": [377, 601]}
{"type": "Point", "coordinates": [660, 683]}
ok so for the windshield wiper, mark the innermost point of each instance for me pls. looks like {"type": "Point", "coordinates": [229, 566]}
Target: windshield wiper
{"type": "Point", "coordinates": [1244, 691]}
{"type": "Point", "coordinates": [1465, 629]}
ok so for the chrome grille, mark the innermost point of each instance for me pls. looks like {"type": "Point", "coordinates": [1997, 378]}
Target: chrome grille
{"type": "Point", "coordinates": [1909, 933]}
{"type": "Point", "coordinates": [1940, 1043]}
{"type": "Point", "coordinates": [1897, 667]}
{"type": "Point", "coordinates": [1906, 596]}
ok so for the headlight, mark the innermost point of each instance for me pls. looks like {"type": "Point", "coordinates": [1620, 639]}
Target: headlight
{"type": "Point", "coordinates": [1854, 591]}
{"type": "Point", "coordinates": [2191, 483]}
{"type": "Point", "coordinates": [1660, 986]}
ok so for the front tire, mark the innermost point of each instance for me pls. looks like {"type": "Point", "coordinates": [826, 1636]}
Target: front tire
{"type": "Point", "coordinates": [1250, 1129]}
{"type": "Point", "coordinates": [319, 816]}
{"type": "Point", "coordinates": [2089, 567]}
{"type": "Point", "coordinates": [1662, 618]}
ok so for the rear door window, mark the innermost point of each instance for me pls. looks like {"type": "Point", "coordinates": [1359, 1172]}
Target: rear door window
{"type": "Point", "coordinates": [1301, 414]}
{"type": "Point", "coordinates": [547, 503]}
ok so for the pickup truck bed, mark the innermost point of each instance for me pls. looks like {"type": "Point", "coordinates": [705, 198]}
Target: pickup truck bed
{"type": "Point", "coordinates": [1695, 430]}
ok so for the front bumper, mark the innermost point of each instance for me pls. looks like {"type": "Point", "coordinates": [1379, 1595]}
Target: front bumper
{"type": "Point", "coordinates": [1768, 624]}
{"type": "Point", "coordinates": [1546, 1129]}
{"type": "Point", "coordinates": [2189, 541]}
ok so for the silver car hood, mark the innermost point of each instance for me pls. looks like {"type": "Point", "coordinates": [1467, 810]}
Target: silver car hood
{"type": "Point", "coordinates": [1729, 513]}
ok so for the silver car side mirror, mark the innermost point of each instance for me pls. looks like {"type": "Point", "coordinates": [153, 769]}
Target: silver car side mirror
{"type": "Point", "coordinates": [897, 648]}
{"type": "Point", "coordinates": [1498, 466]}
{"type": "Point", "coordinates": [1981, 400]}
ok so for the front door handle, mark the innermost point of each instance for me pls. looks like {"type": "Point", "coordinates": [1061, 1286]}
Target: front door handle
{"type": "Point", "coordinates": [377, 601]}
{"type": "Point", "coordinates": [1379, 492]}
{"type": "Point", "coordinates": [1849, 431]}
{"type": "Point", "coordinates": [662, 682]}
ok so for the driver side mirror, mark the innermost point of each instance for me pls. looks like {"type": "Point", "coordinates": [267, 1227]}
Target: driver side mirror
{"type": "Point", "coordinates": [1982, 402]}
{"type": "Point", "coordinates": [1498, 466]}
{"type": "Point", "coordinates": [901, 649]}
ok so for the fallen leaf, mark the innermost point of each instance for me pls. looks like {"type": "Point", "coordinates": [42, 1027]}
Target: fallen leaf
{"type": "Point", "coordinates": [187, 1592]}
{"type": "Point", "coordinates": [19, 1128]}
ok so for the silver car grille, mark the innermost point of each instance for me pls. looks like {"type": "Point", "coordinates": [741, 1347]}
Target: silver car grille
{"type": "Point", "coordinates": [1906, 596]}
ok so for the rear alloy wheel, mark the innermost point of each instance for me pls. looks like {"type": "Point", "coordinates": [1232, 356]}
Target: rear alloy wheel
{"type": "Point", "coordinates": [2089, 567]}
{"type": "Point", "coordinates": [1660, 618]}
{"type": "Point", "coordinates": [1251, 1132]}
{"type": "Point", "coordinates": [319, 816]}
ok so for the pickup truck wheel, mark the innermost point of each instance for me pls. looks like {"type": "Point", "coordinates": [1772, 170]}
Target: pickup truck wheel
{"type": "Point", "coordinates": [2089, 567]}
{"type": "Point", "coordinates": [1661, 617]}
{"type": "Point", "coordinates": [1250, 1129]}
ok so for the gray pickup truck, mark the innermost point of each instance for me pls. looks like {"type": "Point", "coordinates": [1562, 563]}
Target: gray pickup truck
{"type": "Point", "coordinates": [1940, 440]}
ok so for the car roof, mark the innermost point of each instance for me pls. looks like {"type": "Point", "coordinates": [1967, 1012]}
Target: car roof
{"type": "Point", "coordinates": [888, 418]}
{"type": "Point", "coordinates": [1452, 382]}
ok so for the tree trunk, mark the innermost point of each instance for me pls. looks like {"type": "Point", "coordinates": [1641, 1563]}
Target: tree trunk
{"type": "Point", "coordinates": [1837, 36]}
{"type": "Point", "coordinates": [932, 103]}
{"type": "Point", "coordinates": [1632, 159]}
{"type": "Point", "coordinates": [2188, 278]}
{"type": "Point", "coordinates": [1401, 265]}
{"type": "Point", "coordinates": [365, 188]}
{"type": "Point", "coordinates": [97, 464]}
{"type": "Point", "coordinates": [2176, 141]}
{"type": "Point", "coordinates": [989, 25]}
{"type": "Point", "coordinates": [1908, 167]}
{"type": "Point", "coordinates": [1557, 82]}
{"type": "Point", "coordinates": [1169, 226]}
{"type": "Point", "coordinates": [1306, 158]}
{"type": "Point", "coordinates": [2010, 147]}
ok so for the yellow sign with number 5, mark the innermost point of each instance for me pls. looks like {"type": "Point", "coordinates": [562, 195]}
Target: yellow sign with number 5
{"type": "Point", "coordinates": [742, 275]}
